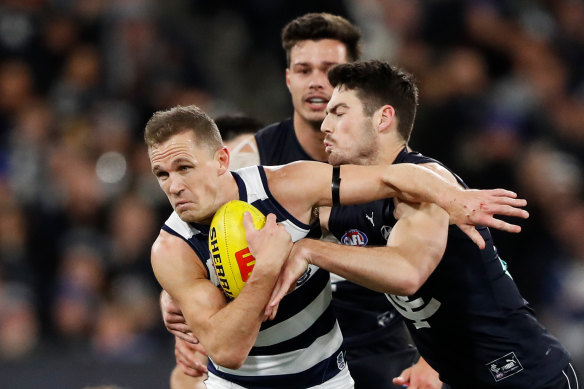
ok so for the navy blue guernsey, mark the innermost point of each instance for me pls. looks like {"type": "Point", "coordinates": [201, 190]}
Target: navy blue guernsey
{"type": "Point", "coordinates": [364, 315]}
{"type": "Point", "coordinates": [468, 320]}
{"type": "Point", "coordinates": [278, 144]}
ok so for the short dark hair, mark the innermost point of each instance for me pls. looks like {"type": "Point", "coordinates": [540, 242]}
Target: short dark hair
{"type": "Point", "coordinates": [317, 26]}
{"type": "Point", "coordinates": [165, 124]}
{"type": "Point", "coordinates": [378, 83]}
{"type": "Point", "coordinates": [232, 125]}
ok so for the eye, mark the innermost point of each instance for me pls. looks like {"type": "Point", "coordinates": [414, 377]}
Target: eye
{"type": "Point", "coordinates": [161, 176]}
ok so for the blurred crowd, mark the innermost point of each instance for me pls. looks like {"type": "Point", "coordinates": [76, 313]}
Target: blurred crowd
{"type": "Point", "coordinates": [502, 103]}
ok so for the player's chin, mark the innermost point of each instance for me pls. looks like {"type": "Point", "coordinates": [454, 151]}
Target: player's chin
{"type": "Point", "coordinates": [315, 117]}
{"type": "Point", "coordinates": [189, 215]}
{"type": "Point", "coordinates": [336, 159]}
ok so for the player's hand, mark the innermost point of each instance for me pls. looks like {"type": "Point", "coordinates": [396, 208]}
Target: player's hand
{"type": "Point", "coordinates": [294, 268]}
{"type": "Point", "coordinates": [419, 376]}
{"type": "Point", "coordinates": [174, 320]}
{"type": "Point", "coordinates": [271, 244]}
{"type": "Point", "coordinates": [191, 358]}
{"type": "Point", "coordinates": [472, 207]}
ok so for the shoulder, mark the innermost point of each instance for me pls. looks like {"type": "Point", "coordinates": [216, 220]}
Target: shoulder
{"type": "Point", "coordinates": [431, 164]}
{"type": "Point", "coordinates": [164, 244]}
{"type": "Point", "coordinates": [171, 252]}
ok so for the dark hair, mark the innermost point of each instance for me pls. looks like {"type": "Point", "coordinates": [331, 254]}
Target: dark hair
{"type": "Point", "coordinates": [230, 126]}
{"type": "Point", "coordinates": [378, 83]}
{"type": "Point", "coordinates": [165, 124]}
{"type": "Point", "coordinates": [317, 26]}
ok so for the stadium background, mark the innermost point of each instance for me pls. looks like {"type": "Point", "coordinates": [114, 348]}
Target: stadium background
{"type": "Point", "coordinates": [502, 103]}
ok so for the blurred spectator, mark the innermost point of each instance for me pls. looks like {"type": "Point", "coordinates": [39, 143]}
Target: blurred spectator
{"type": "Point", "coordinates": [19, 327]}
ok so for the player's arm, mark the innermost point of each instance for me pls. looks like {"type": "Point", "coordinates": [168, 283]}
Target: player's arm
{"type": "Point", "coordinates": [174, 321]}
{"type": "Point", "coordinates": [414, 249]}
{"type": "Point", "coordinates": [227, 331]}
{"type": "Point", "coordinates": [191, 357]}
{"type": "Point", "coordinates": [312, 183]}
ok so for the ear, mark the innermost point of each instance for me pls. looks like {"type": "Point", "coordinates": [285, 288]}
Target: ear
{"type": "Point", "coordinates": [288, 78]}
{"type": "Point", "coordinates": [384, 118]}
{"type": "Point", "coordinates": [222, 157]}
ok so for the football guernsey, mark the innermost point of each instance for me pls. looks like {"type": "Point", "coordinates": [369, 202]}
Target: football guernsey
{"type": "Point", "coordinates": [468, 320]}
{"type": "Point", "coordinates": [301, 347]}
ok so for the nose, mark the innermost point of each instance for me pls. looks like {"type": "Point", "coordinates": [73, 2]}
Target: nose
{"type": "Point", "coordinates": [318, 80]}
{"type": "Point", "coordinates": [326, 125]}
{"type": "Point", "coordinates": [175, 185]}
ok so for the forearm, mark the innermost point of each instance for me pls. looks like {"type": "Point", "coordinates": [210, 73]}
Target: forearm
{"type": "Point", "coordinates": [382, 269]}
{"type": "Point", "coordinates": [417, 184]}
{"type": "Point", "coordinates": [238, 321]}
{"type": "Point", "coordinates": [414, 249]}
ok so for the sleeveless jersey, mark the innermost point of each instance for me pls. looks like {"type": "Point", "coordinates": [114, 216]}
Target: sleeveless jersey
{"type": "Point", "coordinates": [301, 347]}
{"type": "Point", "coordinates": [364, 315]}
{"type": "Point", "coordinates": [468, 320]}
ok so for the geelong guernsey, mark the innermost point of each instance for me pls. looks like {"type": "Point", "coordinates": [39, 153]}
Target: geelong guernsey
{"type": "Point", "coordinates": [468, 320]}
{"type": "Point", "coordinates": [301, 347]}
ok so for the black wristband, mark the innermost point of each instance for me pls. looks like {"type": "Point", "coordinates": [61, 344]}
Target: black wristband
{"type": "Point", "coordinates": [336, 184]}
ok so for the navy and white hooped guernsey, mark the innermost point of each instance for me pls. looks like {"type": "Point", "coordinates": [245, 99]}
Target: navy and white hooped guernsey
{"type": "Point", "coordinates": [301, 347]}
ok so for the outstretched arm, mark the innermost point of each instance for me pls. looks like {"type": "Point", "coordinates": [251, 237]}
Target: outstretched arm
{"type": "Point", "coordinates": [409, 182]}
{"type": "Point", "coordinates": [204, 306]}
{"type": "Point", "coordinates": [433, 183]}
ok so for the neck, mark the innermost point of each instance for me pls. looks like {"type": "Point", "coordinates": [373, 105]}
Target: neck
{"type": "Point", "coordinates": [227, 191]}
{"type": "Point", "coordinates": [310, 138]}
{"type": "Point", "coordinates": [389, 154]}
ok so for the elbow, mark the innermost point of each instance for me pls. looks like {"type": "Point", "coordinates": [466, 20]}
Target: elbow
{"type": "Point", "coordinates": [417, 275]}
{"type": "Point", "coordinates": [409, 285]}
{"type": "Point", "coordinates": [230, 357]}
{"type": "Point", "coordinates": [406, 280]}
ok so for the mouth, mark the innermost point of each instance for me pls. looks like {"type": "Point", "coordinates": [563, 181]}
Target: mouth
{"type": "Point", "coordinates": [317, 102]}
{"type": "Point", "coordinates": [328, 146]}
{"type": "Point", "coordinates": [179, 205]}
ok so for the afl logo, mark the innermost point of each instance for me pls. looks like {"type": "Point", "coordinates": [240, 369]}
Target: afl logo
{"type": "Point", "coordinates": [354, 238]}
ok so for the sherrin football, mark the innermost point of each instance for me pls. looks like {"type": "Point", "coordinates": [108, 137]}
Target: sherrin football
{"type": "Point", "coordinates": [232, 260]}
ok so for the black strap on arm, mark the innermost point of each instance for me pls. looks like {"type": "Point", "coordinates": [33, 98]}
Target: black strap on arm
{"type": "Point", "coordinates": [335, 185]}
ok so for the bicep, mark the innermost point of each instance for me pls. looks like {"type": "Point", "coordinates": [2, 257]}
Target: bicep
{"type": "Point", "coordinates": [180, 272]}
{"type": "Point", "coordinates": [312, 184]}
{"type": "Point", "coordinates": [420, 236]}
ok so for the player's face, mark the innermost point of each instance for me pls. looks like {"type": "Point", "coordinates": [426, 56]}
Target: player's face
{"type": "Point", "coordinates": [306, 77]}
{"type": "Point", "coordinates": [349, 134]}
{"type": "Point", "coordinates": [188, 174]}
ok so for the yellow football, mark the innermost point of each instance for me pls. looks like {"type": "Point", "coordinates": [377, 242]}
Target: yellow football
{"type": "Point", "coordinates": [232, 260]}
